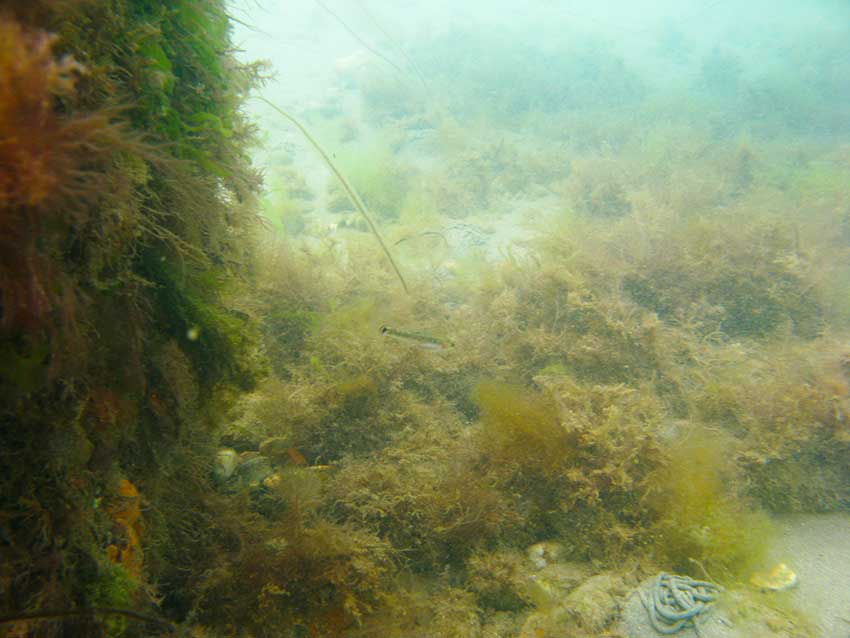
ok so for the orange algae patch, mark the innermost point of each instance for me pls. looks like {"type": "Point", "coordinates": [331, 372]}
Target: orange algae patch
{"type": "Point", "coordinates": [52, 168]}
{"type": "Point", "coordinates": [34, 140]}
{"type": "Point", "coordinates": [126, 513]}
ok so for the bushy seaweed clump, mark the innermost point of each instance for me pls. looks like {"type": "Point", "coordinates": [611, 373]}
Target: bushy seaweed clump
{"type": "Point", "coordinates": [702, 523]}
{"type": "Point", "coordinates": [127, 218]}
{"type": "Point", "coordinates": [320, 577]}
{"type": "Point", "coordinates": [579, 457]}
{"type": "Point", "coordinates": [429, 495]}
{"type": "Point", "coordinates": [754, 282]}
{"type": "Point", "coordinates": [787, 403]}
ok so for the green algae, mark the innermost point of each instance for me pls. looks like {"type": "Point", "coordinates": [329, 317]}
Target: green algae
{"type": "Point", "coordinates": [701, 520]}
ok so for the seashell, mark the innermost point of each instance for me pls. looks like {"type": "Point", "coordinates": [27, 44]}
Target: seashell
{"type": "Point", "coordinates": [777, 579]}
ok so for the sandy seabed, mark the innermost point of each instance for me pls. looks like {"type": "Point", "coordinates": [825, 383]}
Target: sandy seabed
{"type": "Point", "coordinates": [817, 548]}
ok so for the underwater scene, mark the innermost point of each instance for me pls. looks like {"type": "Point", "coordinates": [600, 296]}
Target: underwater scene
{"type": "Point", "coordinates": [424, 319]}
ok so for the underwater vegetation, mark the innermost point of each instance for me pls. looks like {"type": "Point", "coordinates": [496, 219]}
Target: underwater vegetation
{"type": "Point", "coordinates": [643, 382]}
{"type": "Point", "coordinates": [512, 78]}
{"type": "Point", "coordinates": [288, 201]}
{"type": "Point", "coordinates": [212, 429]}
{"type": "Point", "coordinates": [353, 196]}
{"type": "Point", "coordinates": [701, 521]}
{"type": "Point", "coordinates": [58, 162]}
{"type": "Point", "coordinates": [756, 303]}
{"type": "Point", "coordinates": [119, 133]}
{"type": "Point", "coordinates": [523, 428]}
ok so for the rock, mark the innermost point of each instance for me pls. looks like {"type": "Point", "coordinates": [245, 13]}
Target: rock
{"type": "Point", "coordinates": [594, 604]}
{"type": "Point", "coordinates": [590, 607]}
{"type": "Point", "coordinates": [548, 587]}
{"type": "Point", "coordinates": [226, 462]}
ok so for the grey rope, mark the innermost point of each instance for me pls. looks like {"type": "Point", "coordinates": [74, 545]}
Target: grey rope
{"type": "Point", "coordinates": [677, 601]}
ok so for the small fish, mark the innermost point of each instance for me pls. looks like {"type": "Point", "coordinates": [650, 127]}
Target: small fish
{"type": "Point", "coordinates": [426, 342]}
{"type": "Point", "coordinates": [426, 233]}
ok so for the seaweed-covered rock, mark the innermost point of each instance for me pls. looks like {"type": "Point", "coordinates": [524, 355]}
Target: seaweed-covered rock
{"type": "Point", "coordinates": [128, 222]}
{"type": "Point", "coordinates": [549, 586]}
{"type": "Point", "coordinates": [594, 604]}
{"type": "Point", "coordinates": [587, 610]}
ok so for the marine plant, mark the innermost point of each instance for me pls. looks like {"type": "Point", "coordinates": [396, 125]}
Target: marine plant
{"type": "Point", "coordinates": [522, 430]}
{"type": "Point", "coordinates": [426, 494]}
{"type": "Point", "coordinates": [500, 579]}
{"type": "Point", "coordinates": [119, 334]}
{"type": "Point", "coordinates": [60, 162]}
{"type": "Point", "coordinates": [597, 188]}
{"type": "Point", "coordinates": [284, 213]}
{"type": "Point", "coordinates": [787, 403]}
{"type": "Point", "coordinates": [506, 76]}
{"type": "Point", "coordinates": [320, 577]}
{"type": "Point", "coordinates": [349, 190]}
{"type": "Point", "coordinates": [116, 588]}
{"type": "Point", "coordinates": [702, 520]}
